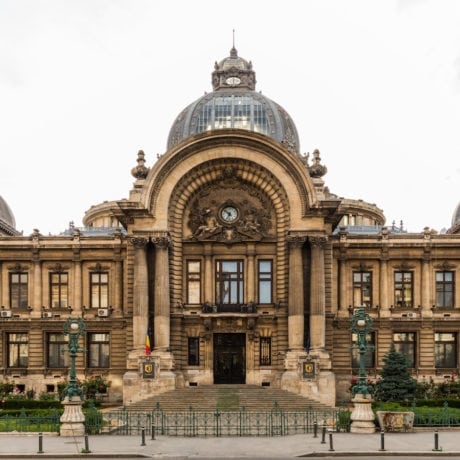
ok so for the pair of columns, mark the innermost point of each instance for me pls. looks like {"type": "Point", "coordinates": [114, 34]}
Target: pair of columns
{"type": "Point", "coordinates": [296, 294]}
{"type": "Point", "coordinates": [295, 297]}
{"type": "Point", "coordinates": [161, 294]}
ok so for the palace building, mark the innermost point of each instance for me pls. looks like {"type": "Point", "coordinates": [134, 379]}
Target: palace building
{"type": "Point", "coordinates": [236, 261]}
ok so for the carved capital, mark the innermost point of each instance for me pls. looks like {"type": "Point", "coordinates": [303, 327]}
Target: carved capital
{"type": "Point", "coordinates": [161, 242]}
{"type": "Point", "coordinates": [296, 241]}
{"type": "Point", "coordinates": [318, 241]}
{"type": "Point", "coordinates": [138, 242]}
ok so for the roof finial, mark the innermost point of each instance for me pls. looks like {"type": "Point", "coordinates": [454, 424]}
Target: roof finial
{"type": "Point", "coordinates": [233, 52]}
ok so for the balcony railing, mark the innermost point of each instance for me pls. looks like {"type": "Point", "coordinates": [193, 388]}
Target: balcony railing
{"type": "Point", "coordinates": [229, 308]}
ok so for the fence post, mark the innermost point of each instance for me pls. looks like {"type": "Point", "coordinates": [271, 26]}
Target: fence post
{"type": "Point", "coordinates": [40, 443]}
{"type": "Point", "coordinates": [436, 442]}
{"type": "Point", "coordinates": [331, 447]}
{"type": "Point", "coordinates": [382, 440]}
{"type": "Point", "coordinates": [87, 451]}
{"type": "Point", "coordinates": [143, 436]}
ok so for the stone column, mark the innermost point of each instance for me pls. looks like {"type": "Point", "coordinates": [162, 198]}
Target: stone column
{"type": "Point", "coordinates": [37, 299]}
{"type": "Point", "coordinates": [78, 288]}
{"type": "Point", "coordinates": [383, 284]}
{"type": "Point", "coordinates": [426, 291]}
{"type": "Point", "coordinates": [118, 301]}
{"type": "Point", "coordinates": [162, 294]}
{"type": "Point", "coordinates": [140, 295]}
{"type": "Point", "coordinates": [208, 280]}
{"type": "Point", "coordinates": [318, 295]}
{"type": "Point", "coordinates": [296, 294]}
{"type": "Point", "coordinates": [250, 291]}
{"type": "Point", "coordinates": [343, 273]}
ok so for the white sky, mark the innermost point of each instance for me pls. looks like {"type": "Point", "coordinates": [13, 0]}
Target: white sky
{"type": "Point", "coordinates": [85, 84]}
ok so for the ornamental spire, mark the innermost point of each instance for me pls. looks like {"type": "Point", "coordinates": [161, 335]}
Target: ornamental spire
{"type": "Point", "coordinates": [140, 171]}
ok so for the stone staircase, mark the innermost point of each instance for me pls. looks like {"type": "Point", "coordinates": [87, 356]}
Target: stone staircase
{"type": "Point", "coordinates": [227, 398]}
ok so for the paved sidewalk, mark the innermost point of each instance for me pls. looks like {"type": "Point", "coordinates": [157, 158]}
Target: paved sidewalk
{"type": "Point", "coordinates": [22, 445]}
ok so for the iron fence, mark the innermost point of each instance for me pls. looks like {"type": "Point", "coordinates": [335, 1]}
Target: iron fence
{"type": "Point", "coordinates": [190, 423]}
{"type": "Point", "coordinates": [24, 422]}
{"type": "Point", "coordinates": [275, 422]}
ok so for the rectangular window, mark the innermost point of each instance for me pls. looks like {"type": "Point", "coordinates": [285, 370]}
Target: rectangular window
{"type": "Point", "coordinates": [229, 282]}
{"type": "Point", "coordinates": [18, 350]}
{"type": "Point", "coordinates": [193, 282]}
{"type": "Point", "coordinates": [403, 289]}
{"type": "Point", "coordinates": [265, 355]}
{"type": "Point", "coordinates": [58, 354]}
{"type": "Point", "coordinates": [445, 289]}
{"type": "Point", "coordinates": [193, 351]}
{"type": "Point", "coordinates": [99, 290]}
{"type": "Point", "coordinates": [58, 290]}
{"type": "Point", "coordinates": [265, 281]}
{"type": "Point", "coordinates": [445, 350]}
{"type": "Point", "coordinates": [362, 289]}
{"type": "Point", "coordinates": [19, 290]}
{"type": "Point", "coordinates": [98, 349]}
{"type": "Point", "coordinates": [369, 356]}
{"type": "Point", "coordinates": [405, 343]}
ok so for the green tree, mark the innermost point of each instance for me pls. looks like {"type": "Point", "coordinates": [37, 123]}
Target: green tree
{"type": "Point", "coordinates": [396, 383]}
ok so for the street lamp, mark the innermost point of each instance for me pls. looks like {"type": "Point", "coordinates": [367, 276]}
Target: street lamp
{"type": "Point", "coordinates": [362, 416]}
{"type": "Point", "coordinates": [74, 328]}
{"type": "Point", "coordinates": [361, 325]}
{"type": "Point", "coordinates": [73, 420]}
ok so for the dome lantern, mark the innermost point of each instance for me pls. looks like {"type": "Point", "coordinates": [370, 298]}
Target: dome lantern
{"type": "Point", "coordinates": [234, 103]}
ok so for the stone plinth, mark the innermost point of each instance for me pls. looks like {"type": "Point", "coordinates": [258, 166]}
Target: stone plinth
{"type": "Point", "coordinates": [362, 416]}
{"type": "Point", "coordinates": [72, 420]}
{"type": "Point", "coordinates": [396, 421]}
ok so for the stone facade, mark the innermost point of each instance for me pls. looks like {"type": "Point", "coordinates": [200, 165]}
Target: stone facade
{"type": "Point", "coordinates": [241, 267]}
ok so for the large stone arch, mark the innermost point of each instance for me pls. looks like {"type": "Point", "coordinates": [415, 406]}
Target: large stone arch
{"type": "Point", "coordinates": [238, 145]}
{"type": "Point", "coordinates": [211, 171]}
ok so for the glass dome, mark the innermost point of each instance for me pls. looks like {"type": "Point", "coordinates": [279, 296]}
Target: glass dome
{"type": "Point", "coordinates": [456, 216]}
{"type": "Point", "coordinates": [234, 103]}
{"type": "Point", "coordinates": [6, 215]}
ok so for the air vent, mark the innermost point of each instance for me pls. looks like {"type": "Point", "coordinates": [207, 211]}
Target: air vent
{"type": "Point", "coordinates": [103, 312]}
{"type": "Point", "coordinates": [5, 313]}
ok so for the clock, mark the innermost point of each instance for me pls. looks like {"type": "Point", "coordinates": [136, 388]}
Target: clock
{"type": "Point", "coordinates": [229, 214]}
{"type": "Point", "coordinates": [233, 81]}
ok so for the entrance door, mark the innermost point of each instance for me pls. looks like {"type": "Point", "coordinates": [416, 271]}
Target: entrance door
{"type": "Point", "coordinates": [229, 358]}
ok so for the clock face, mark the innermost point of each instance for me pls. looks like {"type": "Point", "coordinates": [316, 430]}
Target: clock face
{"type": "Point", "coordinates": [229, 214]}
{"type": "Point", "coordinates": [233, 81]}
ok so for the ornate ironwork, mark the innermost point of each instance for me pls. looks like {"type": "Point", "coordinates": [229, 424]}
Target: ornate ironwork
{"type": "Point", "coordinates": [74, 328]}
{"type": "Point", "coordinates": [361, 325]}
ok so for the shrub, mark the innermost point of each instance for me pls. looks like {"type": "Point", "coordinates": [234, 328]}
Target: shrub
{"type": "Point", "coordinates": [396, 383]}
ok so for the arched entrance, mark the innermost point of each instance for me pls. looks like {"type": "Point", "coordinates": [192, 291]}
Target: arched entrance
{"type": "Point", "coordinates": [229, 358]}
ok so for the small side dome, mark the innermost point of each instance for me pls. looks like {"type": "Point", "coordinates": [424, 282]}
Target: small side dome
{"type": "Point", "coordinates": [234, 103]}
{"type": "Point", "coordinates": [7, 221]}
{"type": "Point", "coordinates": [455, 228]}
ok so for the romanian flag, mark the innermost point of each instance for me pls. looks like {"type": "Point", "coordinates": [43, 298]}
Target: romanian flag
{"type": "Point", "coordinates": [147, 345]}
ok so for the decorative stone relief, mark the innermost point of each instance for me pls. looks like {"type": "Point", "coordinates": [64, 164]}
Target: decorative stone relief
{"type": "Point", "coordinates": [229, 211]}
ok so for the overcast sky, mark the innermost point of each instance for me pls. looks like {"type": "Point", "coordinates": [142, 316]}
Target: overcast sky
{"type": "Point", "coordinates": [85, 84]}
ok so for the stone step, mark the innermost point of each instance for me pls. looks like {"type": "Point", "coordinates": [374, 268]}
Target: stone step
{"type": "Point", "coordinates": [227, 398]}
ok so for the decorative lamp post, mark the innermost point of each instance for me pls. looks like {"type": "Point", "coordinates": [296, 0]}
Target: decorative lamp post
{"type": "Point", "coordinates": [362, 415]}
{"type": "Point", "coordinates": [73, 420]}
